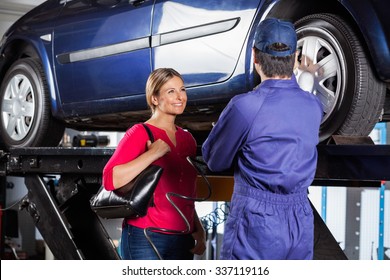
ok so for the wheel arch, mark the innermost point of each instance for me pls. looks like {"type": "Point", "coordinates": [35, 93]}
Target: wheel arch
{"type": "Point", "coordinates": [376, 43]}
{"type": "Point", "coordinates": [294, 10]}
{"type": "Point", "coordinates": [22, 47]}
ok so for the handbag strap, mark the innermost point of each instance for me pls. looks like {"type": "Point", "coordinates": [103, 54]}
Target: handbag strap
{"type": "Point", "coordinates": [151, 137]}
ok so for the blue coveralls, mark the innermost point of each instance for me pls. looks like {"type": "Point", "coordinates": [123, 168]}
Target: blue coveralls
{"type": "Point", "coordinates": [269, 135]}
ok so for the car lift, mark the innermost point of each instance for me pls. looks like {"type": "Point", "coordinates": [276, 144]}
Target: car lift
{"type": "Point", "coordinates": [60, 182]}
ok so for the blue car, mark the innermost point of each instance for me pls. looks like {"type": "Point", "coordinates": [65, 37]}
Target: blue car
{"type": "Point", "coordinates": [83, 64]}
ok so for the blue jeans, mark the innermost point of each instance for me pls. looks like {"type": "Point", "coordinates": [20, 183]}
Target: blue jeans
{"type": "Point", "coordinates": [135, 246]}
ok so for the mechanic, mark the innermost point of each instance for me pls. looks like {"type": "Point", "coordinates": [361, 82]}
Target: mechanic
{"type": "Point", "coordinates": [269, 135]}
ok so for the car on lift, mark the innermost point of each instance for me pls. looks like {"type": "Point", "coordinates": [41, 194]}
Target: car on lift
{"type": "Point", "coordinates": [83, 64]}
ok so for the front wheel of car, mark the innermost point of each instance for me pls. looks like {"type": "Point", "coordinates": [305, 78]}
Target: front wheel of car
{"type": "Point", "coordinates": [26, 119]}
{"type": "Point", "coordinates": [334, 65]}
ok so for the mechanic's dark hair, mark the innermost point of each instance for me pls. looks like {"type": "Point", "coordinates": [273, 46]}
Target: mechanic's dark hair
{"type": "Point", "coordinates": [156, 80]}
{"type": "Point", "coordinates": [273, 66]}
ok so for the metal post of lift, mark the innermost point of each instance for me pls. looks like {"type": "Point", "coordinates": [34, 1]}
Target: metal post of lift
{"type": "Point", "coordinates": [381, 237]}
{"type": "Point", "coordinates": [352, 234]}
{"type": "Point", "coordinates": [382, 127]}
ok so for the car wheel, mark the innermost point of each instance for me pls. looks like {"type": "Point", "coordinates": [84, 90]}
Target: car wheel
{"type": "Point", "coordinates": [25, 119]}
{"type": "Point", "coordinates": [334, 66]}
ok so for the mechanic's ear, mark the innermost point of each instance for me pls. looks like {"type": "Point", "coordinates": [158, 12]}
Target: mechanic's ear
{"type": "Point", "coordinates": [254, 56]}
{"type": "Point", "coordinates": [296, 63]}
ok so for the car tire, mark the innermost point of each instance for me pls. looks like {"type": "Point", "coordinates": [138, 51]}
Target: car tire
{"type": "Point", "coordinates": [25, 119]}
{"type": "Point", "coordinates": [335, 67]}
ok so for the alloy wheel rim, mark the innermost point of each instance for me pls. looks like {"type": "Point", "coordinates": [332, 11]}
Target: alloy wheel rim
{"type": "Point", "coordinates": [321, 71]}
{"type": "Point", "coordinates": [18, 107]}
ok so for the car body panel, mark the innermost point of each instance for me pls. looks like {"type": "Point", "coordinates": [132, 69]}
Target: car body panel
{"type": "Point", "coordinates": [127, 99]}
{"type": "Point", "coordinates": [202, 46]}
{"type": "Point", "coordinates": [94, 62]}
{"type": "Point", "coordinates": [374, 22]}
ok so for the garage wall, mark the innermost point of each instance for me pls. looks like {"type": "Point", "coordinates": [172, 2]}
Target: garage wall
{"type": "Point", "coordinates": [6, 19]}
{"type": "Point", "coordinates": [11, 10]}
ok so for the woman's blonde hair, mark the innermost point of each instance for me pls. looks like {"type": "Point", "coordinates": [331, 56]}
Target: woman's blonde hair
{"type": "Point", "coordinates": [155, 81]}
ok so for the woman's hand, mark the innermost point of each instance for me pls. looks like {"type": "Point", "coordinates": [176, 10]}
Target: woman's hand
{"type": "Point", "coordinates": [159, 148]}
{"type": "Point", "coordinates": [124, 173]}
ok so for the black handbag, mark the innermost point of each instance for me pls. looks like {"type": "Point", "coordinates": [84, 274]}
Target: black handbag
{"type": "Point", "coordinates": [131, 200]}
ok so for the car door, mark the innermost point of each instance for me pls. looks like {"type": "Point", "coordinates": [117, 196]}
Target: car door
{"type": "Point", "coordinates": [102, 50]}
{"type": "Point", "coordinates": [201, 39]}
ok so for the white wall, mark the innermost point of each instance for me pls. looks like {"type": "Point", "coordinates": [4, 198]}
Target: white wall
{"type": "Point", "coordinates": [6, 21]}
{"type": "Point", "coordinates": [11, 10]}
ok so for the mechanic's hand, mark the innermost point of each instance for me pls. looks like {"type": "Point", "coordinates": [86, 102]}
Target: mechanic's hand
{"type": "Point", "coordinates": [200, 242]}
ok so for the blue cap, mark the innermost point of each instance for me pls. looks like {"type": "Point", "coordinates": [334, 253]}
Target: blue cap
{"type": "Point", "coordinates": [271, 31]}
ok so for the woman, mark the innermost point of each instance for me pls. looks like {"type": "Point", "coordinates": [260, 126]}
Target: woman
{"type": "Point", "coordinates": [167, 98]}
